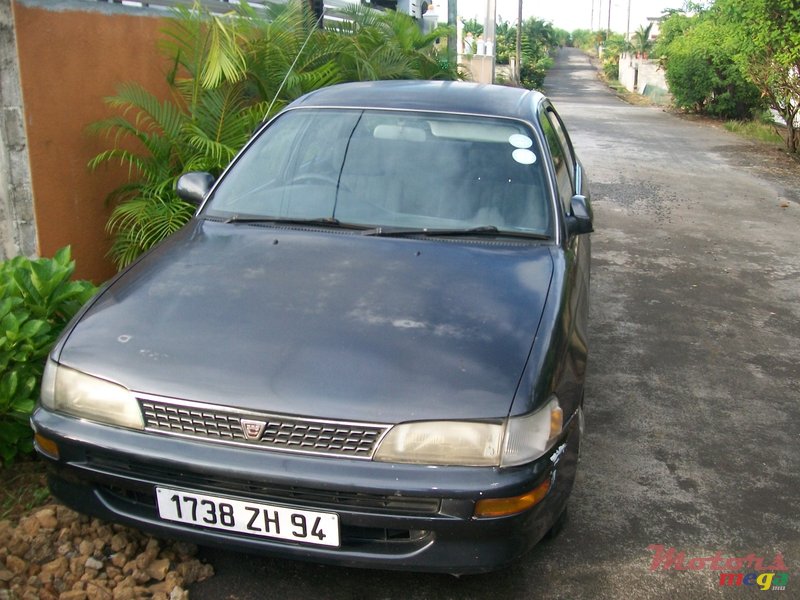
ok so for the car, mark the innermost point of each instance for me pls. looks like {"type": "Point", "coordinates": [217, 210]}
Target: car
{"type": "Point", "coordinates": [367, 348]}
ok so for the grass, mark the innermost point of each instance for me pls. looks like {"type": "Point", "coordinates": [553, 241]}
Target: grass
{"type": "Point", "coordinates": [755, 130]}
{"type": "Point", "coordinates": [22, 487]}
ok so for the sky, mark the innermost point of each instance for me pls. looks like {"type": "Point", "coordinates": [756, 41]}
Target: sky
{"type": "Point", "coordinates": [567, 14]}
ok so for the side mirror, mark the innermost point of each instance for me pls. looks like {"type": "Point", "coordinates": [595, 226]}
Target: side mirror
{"type": "Point", "coordinates": [580, 221]}
{"type": "Point", "coordinates": [194, 186]}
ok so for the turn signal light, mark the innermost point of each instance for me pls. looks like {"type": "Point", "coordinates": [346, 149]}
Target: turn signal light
{"type": "Point", "coordinates": [46, 446]}
{"type": "Point", "coordinates": [502, 507]}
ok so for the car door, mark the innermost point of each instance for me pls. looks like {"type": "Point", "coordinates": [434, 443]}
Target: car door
{"type": "Point", "coordinates": [570, 181]}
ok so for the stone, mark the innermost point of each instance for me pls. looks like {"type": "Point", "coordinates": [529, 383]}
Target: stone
{"type": "Point", "coordinates": [95, 591]}
{"type": "Point", "coordinates": [140, 576]}
{"type": "Point", "coordinates": [16, 565]}
{"type": "Point", "coordinates": [124, 593]}
{"type": "Point", "coordinates": [118, 542]}
{"type": "Point", "coordinates": [159, 588]}
{"type": "Point", "coordinates": [72, 595]}
{"type": "Point", "coordinates": [158, 569]}
{"type": "Point", "coordinates": [55, 568]}
{"type": "Point", "coordinates": [86, 548]}
{"type": "Point", "coordinates": [93, 563]}
{"type": "Point", "coordinates": [29, 525]}
{"type": "Point", "coordinates": [6, 575]}
{"type": "Point", "coordinates": [178, 593]}
{"type": "Point", "coordinates": [76, 565]}
{"type": "Point", "coordinates": [47, 518]}
{"type": "Point", "coordinates": [66, 516]}
{"type": "Point", "coordinates": [194, 570]}
{"type": "Point", "coordinates": [118, 560]}
{"type": "Point", "coordinates": [143, 561]}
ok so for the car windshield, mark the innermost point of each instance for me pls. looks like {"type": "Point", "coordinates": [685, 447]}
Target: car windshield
{"type": "Point", "coordinates": [390, 169]}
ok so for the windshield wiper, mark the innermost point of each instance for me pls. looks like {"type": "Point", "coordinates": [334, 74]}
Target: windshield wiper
{"type": "Point", "coordinates": [482, 230]}
{"type": "Point", "coordinates": [314, 222]}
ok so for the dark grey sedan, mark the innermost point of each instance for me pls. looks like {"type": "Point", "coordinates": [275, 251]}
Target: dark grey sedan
{"type": "Point", "coordinates": [367, 348]}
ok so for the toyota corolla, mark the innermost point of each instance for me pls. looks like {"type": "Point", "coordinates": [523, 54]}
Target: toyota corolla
{"type": "Point", "coordinates": [367, 348]}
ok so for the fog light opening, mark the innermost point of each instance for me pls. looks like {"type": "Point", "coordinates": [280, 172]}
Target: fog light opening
{"type": "Point", "coordinates": [502, 507]}
{"type": "Point", "coordinates": [46, 446]}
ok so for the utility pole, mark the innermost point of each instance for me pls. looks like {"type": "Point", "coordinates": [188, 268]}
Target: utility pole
{"type": "Point", "coordinates": [519, 43]}
{"type": "Point", "coordinates": [628, 31]}
{"type": "Point", "coordinates": [600, 16]}
{"type": "Point", "coordinates": [452, 39]}
{"type": "Point", "coordinates": [489, 42]}
{"type": "Point", "coordinates": [591, 20]}
{"type": "Point", "coordinates": [608, 29]}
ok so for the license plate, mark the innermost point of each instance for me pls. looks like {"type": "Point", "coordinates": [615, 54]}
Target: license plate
{"type": "Point", "coordinates": [252, 518]}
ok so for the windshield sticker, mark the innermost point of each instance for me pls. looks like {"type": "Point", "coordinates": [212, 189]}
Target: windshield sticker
{"type": "Point", "coordinates": [520, 141]}
{"type": "Point", "coordinates": [523, 156]}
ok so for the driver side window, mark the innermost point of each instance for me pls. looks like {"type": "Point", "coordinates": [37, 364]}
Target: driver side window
{"type": "Point", "coordinates": [562, 157]}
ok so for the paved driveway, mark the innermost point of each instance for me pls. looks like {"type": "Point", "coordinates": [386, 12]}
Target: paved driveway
{"type": "Point", "coordinates": [693, 424]}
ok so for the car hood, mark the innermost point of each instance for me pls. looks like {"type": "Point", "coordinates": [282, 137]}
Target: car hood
{"type": "Point", "coordinates": [320, 323]}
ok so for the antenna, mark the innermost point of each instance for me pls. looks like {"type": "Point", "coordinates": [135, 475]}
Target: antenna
{"type": "Point", "coordinates": [296, 58]}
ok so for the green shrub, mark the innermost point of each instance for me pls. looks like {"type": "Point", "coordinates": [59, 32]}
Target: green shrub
{"type": "Point", "coordinates": [699, 54]}
{"type": "Point", "coordinates": [534, 71]}
{"type": "Point", "coordinates": [611, 69]}
{"type": "Point", "coordinates": [37, 299]}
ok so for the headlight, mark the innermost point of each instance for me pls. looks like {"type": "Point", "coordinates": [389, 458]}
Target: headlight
{"type": "Point", "coordinates": [443, 443]}
{"type": "Point", "coordinates": [69, 391]}
{"type": "Point", "coordinates": [466, 443]}
{"type": "Point", "coordinates": [530, 436]}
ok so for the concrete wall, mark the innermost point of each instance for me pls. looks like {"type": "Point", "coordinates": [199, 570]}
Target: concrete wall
{"type": "Point", "coordinates": [17, 225]}
{"type": "Point", "coordinates": [650, 78]}
{"type": "Point", "coordinates": [71, 55]}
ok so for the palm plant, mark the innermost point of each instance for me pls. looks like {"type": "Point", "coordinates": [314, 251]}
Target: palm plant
{"type": "Point", "coordinates": [287, 54]}
{"type": "Point", "coordinates": [229, 73]}
{"type": "Point", "coordinates": [200, 127]}
{"type": "Point", "coordinates": [389, 45]}
{"type": "Point", "coordinates": [640, 43]}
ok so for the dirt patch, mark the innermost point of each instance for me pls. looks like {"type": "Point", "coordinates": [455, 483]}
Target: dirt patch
{"type": "Point", "coordinates": [22, 488]}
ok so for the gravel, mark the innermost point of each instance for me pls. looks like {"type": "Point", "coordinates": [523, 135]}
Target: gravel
{"type": "Point", "coordinates": [56, 553]}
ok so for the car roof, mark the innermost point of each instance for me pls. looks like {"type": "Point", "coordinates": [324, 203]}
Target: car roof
{"type": "Point", "coordinates": [448, 96]}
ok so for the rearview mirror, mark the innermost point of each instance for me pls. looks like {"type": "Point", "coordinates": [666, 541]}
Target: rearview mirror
{"type": "Point", "coordinates": [580, 221]}
{"type": "Point", "coordinates": [193, 186]}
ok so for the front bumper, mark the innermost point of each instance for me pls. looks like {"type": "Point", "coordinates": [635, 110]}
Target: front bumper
{"type": "Point", "coordinates": [391, 516]}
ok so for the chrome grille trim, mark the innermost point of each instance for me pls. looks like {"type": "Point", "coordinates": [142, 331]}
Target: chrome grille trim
{"type": "Point", "coordinates": [223, 424]}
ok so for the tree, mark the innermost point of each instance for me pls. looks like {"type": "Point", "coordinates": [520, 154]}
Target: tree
{"type": "Point", "coordinates": [640, 43]}
{"type": "Point", "coordinates": [767, 34]}
{"type": "Point", "coordinates": [472, 26]}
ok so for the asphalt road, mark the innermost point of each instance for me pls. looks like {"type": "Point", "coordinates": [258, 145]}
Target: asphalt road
{"type": "Point", "coordinates": [693, 425]}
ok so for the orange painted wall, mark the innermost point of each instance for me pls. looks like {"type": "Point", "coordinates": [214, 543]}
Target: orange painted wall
{"type": "Point", "coordinates": [69, 61]}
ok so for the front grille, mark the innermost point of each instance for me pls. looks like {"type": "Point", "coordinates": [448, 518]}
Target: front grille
{"type": "Point", "coordinates": [257, 430]}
